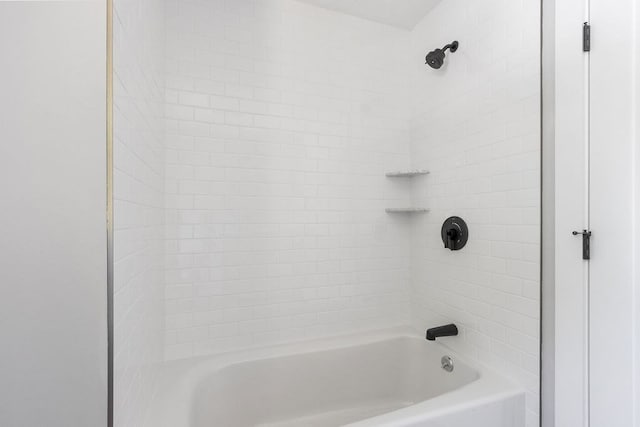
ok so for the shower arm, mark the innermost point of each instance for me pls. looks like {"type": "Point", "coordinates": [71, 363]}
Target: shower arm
{"type": "Point", "coordinates": [451, 46]}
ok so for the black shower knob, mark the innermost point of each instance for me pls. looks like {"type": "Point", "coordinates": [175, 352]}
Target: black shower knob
{"type": "Point", "coordinates": [454, 233]}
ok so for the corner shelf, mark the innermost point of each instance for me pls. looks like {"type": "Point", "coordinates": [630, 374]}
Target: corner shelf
{"type": "Point", "coordinates": [407, 174]}
{"type": "Point", "coordinates": [406, 210]}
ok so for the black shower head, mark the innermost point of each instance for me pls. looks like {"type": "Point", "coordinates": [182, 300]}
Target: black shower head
{"type": "Point", "coordinates": [435, 58]}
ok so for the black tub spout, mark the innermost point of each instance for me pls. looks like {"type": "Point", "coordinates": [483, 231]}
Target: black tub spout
{"type": "Point", "coordinates": [442, 331]}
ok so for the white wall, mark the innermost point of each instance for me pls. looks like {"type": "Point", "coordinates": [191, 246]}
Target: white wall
{"type": "Point", "coordinates": [138, 29]}
{"type": "Point", "coordinates": [476, 127]}
{"type": "Point", "coordinates": [281, 121]}
{"type": "Point", "coordinates": [53, 286]}
{"type": "Point", "coordinates": [636, 129]}
{"type": "Point", "coordinates": [547, 285]}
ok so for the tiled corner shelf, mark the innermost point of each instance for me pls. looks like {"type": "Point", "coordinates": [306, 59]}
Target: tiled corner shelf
{"type": "Point", "coordinates": [407, 174]}
{"type": "Point", "coordinates": [407, 210]}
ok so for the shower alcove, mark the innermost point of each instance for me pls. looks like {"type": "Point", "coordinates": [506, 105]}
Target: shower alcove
{"type": "Point", "coordinates": [282, 170]}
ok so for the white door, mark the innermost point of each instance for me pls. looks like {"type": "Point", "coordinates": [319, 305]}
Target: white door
{"type": "Point", "coordinates": [597, 188]}
{"type": "Point", "coordinates": [571, 206]}
{"type": "Point", "coordinates": [613, 193]}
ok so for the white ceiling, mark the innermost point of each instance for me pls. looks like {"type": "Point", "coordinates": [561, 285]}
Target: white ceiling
{"type": "Point", "coordinates": [399, 13]}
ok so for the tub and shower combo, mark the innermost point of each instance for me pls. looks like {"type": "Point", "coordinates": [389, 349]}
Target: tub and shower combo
{"type": "Point", "coordinates": [389, 378]}
{"type": "Point", "coordinates": [302, 189]}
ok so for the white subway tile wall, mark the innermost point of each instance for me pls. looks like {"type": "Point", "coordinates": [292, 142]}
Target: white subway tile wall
{"type": "Point", "coordinates": [138, 205]}
{"type": "Point", "coordinates": [282, 120]}
{"type": "Point", "coordinates": [476, 127]}
{"type": "Point", "coordinates": [267, 181]}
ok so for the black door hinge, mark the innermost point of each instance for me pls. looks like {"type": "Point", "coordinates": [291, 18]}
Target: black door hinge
{"type": "Point", "coordinates": [586, 243]}
{"type": "Point", "coordinates": [586, 37]}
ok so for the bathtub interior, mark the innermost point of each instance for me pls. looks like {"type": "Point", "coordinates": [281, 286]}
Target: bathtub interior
{"type": "Point", "coordinates": [326, 388]}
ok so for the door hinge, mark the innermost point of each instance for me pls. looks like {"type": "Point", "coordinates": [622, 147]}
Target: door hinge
{"type": "Point", "coordinates": [586, 37]}
{"type": "Point", "coordinates": [586, 243]}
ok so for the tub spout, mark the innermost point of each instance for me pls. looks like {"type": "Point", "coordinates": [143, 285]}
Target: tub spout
{"type": "Point", "coordinates": [442, 331]}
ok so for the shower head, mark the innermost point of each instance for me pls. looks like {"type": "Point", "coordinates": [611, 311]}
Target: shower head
{"type": "Point", "coordinates": [435, 58]}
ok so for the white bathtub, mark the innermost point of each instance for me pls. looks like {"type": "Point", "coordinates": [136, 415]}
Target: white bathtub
{"type": "Point", "coordinates": [379, 379]}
